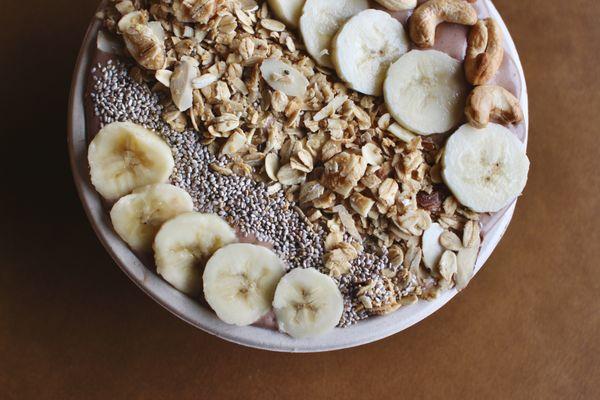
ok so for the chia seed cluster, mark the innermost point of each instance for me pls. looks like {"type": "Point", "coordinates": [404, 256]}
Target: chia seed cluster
{"type": "Point", "coordinates": [243, 202]}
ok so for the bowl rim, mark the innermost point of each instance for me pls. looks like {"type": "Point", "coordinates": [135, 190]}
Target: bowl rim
{"type": "Point", "coordinates": [197, 315]}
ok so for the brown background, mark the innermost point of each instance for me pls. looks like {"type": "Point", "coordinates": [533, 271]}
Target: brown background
{"type": "Point", "coordinates": [72, 326]}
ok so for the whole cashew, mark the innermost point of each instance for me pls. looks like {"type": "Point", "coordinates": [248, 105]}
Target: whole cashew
{"type": "Point", "coordinates": [430, 14]}
{"type": "Point", "coordinates": [492, 103]}
{"type": "Point", "coordinates": [398, 5]}
{"type": "Point", "coordinates": [484, 51]}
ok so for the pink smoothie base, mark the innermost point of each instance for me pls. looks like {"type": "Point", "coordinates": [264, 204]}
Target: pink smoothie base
{"type": "Point", "coordinates": [450, 39]}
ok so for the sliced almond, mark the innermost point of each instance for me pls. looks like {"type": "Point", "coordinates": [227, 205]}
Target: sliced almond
{"type": "Point", "coordinates": [283, 77]}
{"type": "Point", "coordinates": [401, 133]}
{"type": "Point", "coordinates": [372, 154]}
{"type": "Point", "coordinates": [466, 259]}
{"type": "Point", "coordinates": [164, 76]}
{"type": "Point", "coordinates": [311, 191]}
{"type": "Point", "coordinates": [447, 266]}
{"type": "Point", "coordinates": [432, 249]}
{"type": "Point", "coordinates": [347, 221]}
{"type": "Point", "coordinates": [181, 82]}
{"type": "Point", "coordinates": [450, 241]}
{"type": "Point", "coordinates": [331, 107]}
{"type": "Point", "coordinates": [234, 143]}
{"type": "Point", "coordinates": [388, 190]}
{"type": "Point", "coordinates": [203, 81]}
{"type": "Point", "coordinates": [361, 204]}
{"type": "Point", "coordinates": [470, 234]}
{"type": "Point", "coordinates": [272, 165]}
{"type": "Point", "coordinates": [290, 176]}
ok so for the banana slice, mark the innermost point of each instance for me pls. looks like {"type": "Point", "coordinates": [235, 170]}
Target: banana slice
{"type": "Point", "coordinates": [138, 216]}
{"type": "Point", "coordinates": [283, 77]}
{"type": "Point", "coordinates": [485, 168]}
{"type": "Point", "coordinates": [289, 11]}
{"type": "Point", "coordinates": [124, 156]}
{"type": "Point", "coordinates": [240, 280]}
{"type": "Point", "coordinates": [425, 91]}
{"type": "Point", "coordinates": [307, 303]}
{"type": "Point", "coordinates": [184, 244]}
{"type": "Point", "coordinates": [320, 21]}
{"type": "Point", "coordinates": [365, 47]}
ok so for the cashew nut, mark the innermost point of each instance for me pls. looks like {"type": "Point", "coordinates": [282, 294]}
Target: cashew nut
{"type": "Point", "coordinates": [492, 103]}
{"type": "Point", "coordinates": [430, 14]}
{"type": "Point", "coordinates": [484, 51]}
{"type": "Point", "coordinates": [398, 5]}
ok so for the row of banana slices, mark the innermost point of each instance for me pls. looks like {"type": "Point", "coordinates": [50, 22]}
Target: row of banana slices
{"type": "Point", "coordinates": [197, 253]}
{"type": "Point", "coordinates": [425, 91]}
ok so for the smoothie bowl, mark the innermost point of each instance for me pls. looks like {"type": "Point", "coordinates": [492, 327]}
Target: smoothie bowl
{"type": "Point", "coordinates": [299, 175]}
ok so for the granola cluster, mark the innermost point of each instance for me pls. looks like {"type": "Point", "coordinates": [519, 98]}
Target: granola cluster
{"type": "Point", "coordinates": [334, 152]}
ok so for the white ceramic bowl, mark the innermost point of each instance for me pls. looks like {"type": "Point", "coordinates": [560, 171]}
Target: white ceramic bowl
{"type": "Point", "coordinates": [191, 311]}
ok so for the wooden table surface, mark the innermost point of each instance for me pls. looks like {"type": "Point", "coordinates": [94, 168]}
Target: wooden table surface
{"type": "Point", "coordinates": [72, 326]}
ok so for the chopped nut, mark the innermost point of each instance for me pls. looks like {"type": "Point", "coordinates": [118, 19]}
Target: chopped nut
{"type": "Point", "coordinates": [310, 191]}
{"type": "Point", "coordinates": [164, 76]}
{"type": "Point", "coordinates": [343, 171]}
{"type": "Point", "coordinates": [347, 221]}
{"type": "Point", "coordinates": [290, 176]}
{"type": "Point", "coordinates": [203, 81]}
{"type": "Point", "coordinates": [279, 101]}
{"type": "Point", "coordinates": [234, 143]}
{"type": "Point", "coordinates": [372, 154]}
{"type": "Point", "coordinates": [401, 133]}
{"type": "Point", "coordinates": [361, 204]}
{"type": "Point", "coordinates": [330, 108]}
{"type": "Point", "coordinates": [220, 170]}
{"type": "Point", "coordinates": [226, 123]}
{"type": "Point", "coordinates": [388, 190]}
{"type": "Point", "coordinates": [396, 256]}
